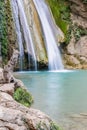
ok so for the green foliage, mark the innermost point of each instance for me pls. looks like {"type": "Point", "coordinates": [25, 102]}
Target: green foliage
{"type": "Point", "coordinates": [42, 126]}
{"type": "Point", "coordinates": [54, 126]}
{"type": "Point", "coordinates": [3, 30]}
{"type": "Point", "coordinates": [61, 12]}
{"type": "Point", "coordinates": [78, 32]}
{"type": "Point", "coordinates": [23, 97]}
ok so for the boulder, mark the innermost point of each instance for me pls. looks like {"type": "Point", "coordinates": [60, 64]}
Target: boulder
{"type": "Point", "coordinates": [8, 69]}
{"type": "Point", "coordinates": [8, 88]}
{"type": "Point", "coordinates": [71, 60]}
{"type": "Point", "coordinates": [14, 116]}
{"type": "Point", "coordinates": [79, 13]}
{"type": "Point", "coordinates": [79, 8]}
{"type": "Point", "coordinates": [81, 47]}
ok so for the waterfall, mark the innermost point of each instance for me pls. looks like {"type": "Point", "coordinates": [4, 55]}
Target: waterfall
{"type": "Point", "coordinates": [22, 26]}
{"type": "Point", "coordinates": [18, 32]}
{"type": "Point", "coordinates": [54, 58]}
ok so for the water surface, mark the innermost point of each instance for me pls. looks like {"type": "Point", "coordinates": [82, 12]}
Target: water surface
{"type": "Point", "coordinates": [58, 94]}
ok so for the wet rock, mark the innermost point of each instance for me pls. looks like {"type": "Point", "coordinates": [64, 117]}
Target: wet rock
{"type": "Point", "coordinates": [36, 31]}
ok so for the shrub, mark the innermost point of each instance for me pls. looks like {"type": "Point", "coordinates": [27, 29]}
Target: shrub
{"type": "Point", "coordinates": [42, 126]}
{"type": "Point", "coordinates": [23, 97]}
{"type": "Point", "coordinates": [3, 30]}
{"type": "Point", "coordinates": [54, 126]}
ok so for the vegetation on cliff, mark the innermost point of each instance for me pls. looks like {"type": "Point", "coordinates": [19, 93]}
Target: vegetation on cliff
{"type": "Point", "coordinates": [23, 97]}
{"type": "Point", "coordinates": [61, 12]}
{"type": "Point", "coordinates": [3, 30]}
{"type": "Point", "coordinates": [53, 126]}
{"type": "Point", "coordinates": [7, 33]}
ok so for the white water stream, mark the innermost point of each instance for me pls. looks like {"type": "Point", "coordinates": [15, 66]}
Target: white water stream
{"type": "Point", "coordinates": [54, 58]}
{"type": "Point", "coordinates": [22, 25]}
{"type": "Point", "coordinates": [49, 34]}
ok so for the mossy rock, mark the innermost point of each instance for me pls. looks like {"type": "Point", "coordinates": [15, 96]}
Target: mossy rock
{"type": "Point", "coordinates": [22, 96]}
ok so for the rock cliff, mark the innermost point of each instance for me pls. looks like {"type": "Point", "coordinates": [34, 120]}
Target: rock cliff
{"type": "Point", "coordinates": [75, 56]}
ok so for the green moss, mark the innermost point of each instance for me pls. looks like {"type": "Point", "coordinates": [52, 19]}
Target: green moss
{"type": "Point", "coordinates": [3, 30]}
{"type": "Point", "coordinates": [10, 28]}
{"type": "Point", "coordinates": [54, 126]}
{"type": "Point", "coordinates": [78, 32]}
{"type": "Point", "coordinates": [43, 126]}
{"type": "Point", "coordinates": [7, 33]}
{"type": "Point", "coordinates": [61, 12]}
{"type": "Point", "coordinates": [23, 97]}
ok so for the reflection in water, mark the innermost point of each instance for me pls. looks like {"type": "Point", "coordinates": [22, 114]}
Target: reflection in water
{"type": "Point", "coordinates": [57, 94]}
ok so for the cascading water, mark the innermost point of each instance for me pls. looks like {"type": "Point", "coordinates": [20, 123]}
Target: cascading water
{"type": "Point", "coordinates": [20, 20]}
{"type": "Point", "coordinates": [54, 57]}
{"type": "Point", "coordinates": [18, 32]}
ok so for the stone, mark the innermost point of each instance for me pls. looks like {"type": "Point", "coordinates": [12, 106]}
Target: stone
{"type": "Point", "coordinates": [71, 46]}
{"type": "Point", "coordinates": [81, 22]}
{"type": "Point", "coordinates": [81, 47]}
{"type": "Point", "coordinates": [77, 50]}
{"type": "Point", "coordinates": [1, 76]}
{"type": "Point", "coordinates": [83, 59]}
{"type": "Point", "coordinates": [77, 53]}
{"type": "Point", "coordinates": [79, 8]}
{"type": "Point", "coordinates": [8, 88]}
{"type": "Point", "coordinates": [15, 116]}
{"type": "Point", "coordinates": [18, 117]}
{"type": "Point", "coordinates": [18, 83]}
{"type": "Point", "coordinates": [8, 69]}
{"type": "Point", "coordinates": [3, 128]}
{"type": "Point", "coordinates": [71, 60]}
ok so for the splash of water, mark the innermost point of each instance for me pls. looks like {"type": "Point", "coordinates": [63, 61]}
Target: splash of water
{"type": "Point", "coordinates": [22, 24]}
{"type": "Point", "coordinates": [54, 57]}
